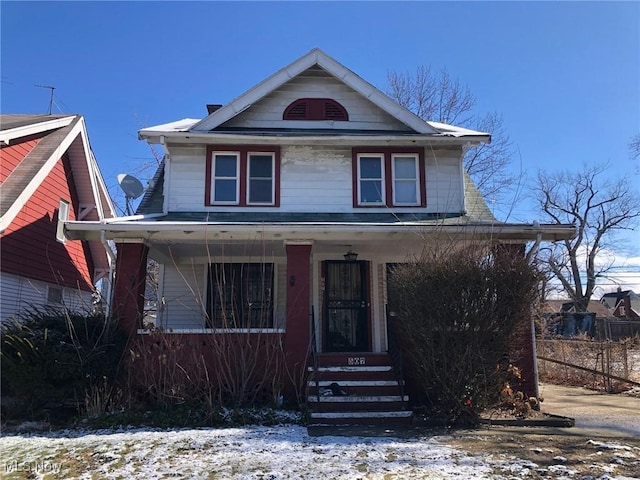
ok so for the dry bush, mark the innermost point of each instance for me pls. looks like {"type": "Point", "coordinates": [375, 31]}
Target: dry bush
{"type": "Point", "coordinates": [456, 312]}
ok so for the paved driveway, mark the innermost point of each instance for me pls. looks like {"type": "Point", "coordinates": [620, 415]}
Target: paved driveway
{"type": "Point", "coordinates": [613, 414]}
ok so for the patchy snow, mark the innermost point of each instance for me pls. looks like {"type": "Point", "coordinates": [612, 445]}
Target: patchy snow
{"type": "Point", "coordinates": [259, 452]}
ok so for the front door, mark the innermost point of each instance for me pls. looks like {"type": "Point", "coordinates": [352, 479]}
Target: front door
{"type": "Point", "coordinates": [346, 309]}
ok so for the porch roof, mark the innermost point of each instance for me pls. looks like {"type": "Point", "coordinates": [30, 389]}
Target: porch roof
{"type": "Point", "coordinates": [196, 226]}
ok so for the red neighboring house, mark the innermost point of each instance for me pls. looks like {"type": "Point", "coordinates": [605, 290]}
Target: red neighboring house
{"type": "Point", "coordinates": [278, 217]}
{"type": "Point", "coordinates": [48, 174]}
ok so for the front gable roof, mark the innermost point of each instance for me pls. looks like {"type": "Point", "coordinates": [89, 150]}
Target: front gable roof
{"type": "Point", "coordinates": [331, 66]}
{"type": "Point", "coordinates": [58, 135]}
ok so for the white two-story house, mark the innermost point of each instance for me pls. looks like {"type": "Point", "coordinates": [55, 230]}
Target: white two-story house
{"type": "Point", "coordinates": [281, 212]}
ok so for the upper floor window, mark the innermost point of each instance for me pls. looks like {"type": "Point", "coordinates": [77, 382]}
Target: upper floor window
{"type": "Point", "coordinates": [389, 177]}
{"type": "Point", "coordinates": [371, 179]}
{"type": "Point", "coordinates": [261, 174]}
{"type": "Point", "coordinates": [225, 185]}
{"type": "Point", "coordinates": [405, 179]}
{"type": "Point", "coordinates": [315, 109]}
{"type": "Point", "coordinates": [243, 176]}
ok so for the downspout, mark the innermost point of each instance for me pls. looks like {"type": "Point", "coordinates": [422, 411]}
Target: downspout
{"type": "Point", "coordinates": [112, 266]}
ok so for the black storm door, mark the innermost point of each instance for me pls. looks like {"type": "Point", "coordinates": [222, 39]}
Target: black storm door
{"type": "Point", "coordinates": [346, 311]}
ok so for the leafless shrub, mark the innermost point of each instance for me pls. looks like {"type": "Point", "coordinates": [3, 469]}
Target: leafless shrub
{"type": "Point", "coordinates": [456, 311]}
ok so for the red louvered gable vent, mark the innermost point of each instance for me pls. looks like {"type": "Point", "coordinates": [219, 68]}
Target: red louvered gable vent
{"type": "Point", "coordinates": [315, 109]}
{"type": "Point", "coordinates": [297, 110]}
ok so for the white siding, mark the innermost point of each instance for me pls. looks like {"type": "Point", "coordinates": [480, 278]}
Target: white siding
{"type": "Point", "coordinates": [363, 114]}
{"type": "Point", "coordinates": [184, 292]}
{"type": "Point", "coordinates": [444, 182]}
{"type": "Point", "coordinates": [185, 183]}
{"type": "Point", "coordinates": [316, 179]}
{"type": "Point", "coordinates": [183, 296]}
{"type": "Point", "coordinates": [313, 179]}
{"type": "Point", "coordinates": [18, 294]}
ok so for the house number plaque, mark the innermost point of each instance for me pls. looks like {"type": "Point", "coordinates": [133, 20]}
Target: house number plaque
{"type": "Point", "coordinates": [355, 361]}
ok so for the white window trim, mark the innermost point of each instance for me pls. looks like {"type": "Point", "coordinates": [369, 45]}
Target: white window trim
{"type": "Point", "coordinates": [273, 178]}
{"type": "Point", "coordinates": [382, 201]}
{"type": "Point", "coordinates": [63, 216]}
{"type": "Point", "coordinates": [214, 178]}
{"type": "Point", "coordinates": [416, 180]}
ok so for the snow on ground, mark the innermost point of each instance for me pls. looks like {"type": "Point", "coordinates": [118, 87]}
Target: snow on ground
{"type": "Point", "coordinates": [253, 453]}
{"type": "Point", "coordinates": [280, 452]}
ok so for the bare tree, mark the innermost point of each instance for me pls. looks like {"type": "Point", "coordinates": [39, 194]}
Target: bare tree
{"type": "Point", "coordinates": [437, 97]}
{"type": "Point", "coordinates": [598, 207]}
{"type": "Point", "coordinates": [634, 147]}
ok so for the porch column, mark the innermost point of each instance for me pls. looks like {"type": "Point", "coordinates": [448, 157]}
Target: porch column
{"type": "Point", "coordinates": [298, 327]}
{"type": "Point", "coordinates": [129, 285]}
{"type": "Point", "coordinates": [524, 339]}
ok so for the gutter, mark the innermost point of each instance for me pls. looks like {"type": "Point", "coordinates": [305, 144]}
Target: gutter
{"type": "Point", "coordinates": [130, 218]}
{"type": "Point", "coordinates": [236, 138]}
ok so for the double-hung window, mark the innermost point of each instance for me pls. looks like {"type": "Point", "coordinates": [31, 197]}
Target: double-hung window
{"type": "Point", "coordinates": [225, 187]}
{"type": "Point", "coordinates": [261, 174]}
{"type": "Point", "coordinates": [392, 177]}
{"type": "Point", "coordinates": [240, 295]}
{"type": "Point", "coordinates": [406, 186]}
{"type": "Point", "coordinates": [371, 190]}
{"type": "Point", "coordinates": [243, 176]}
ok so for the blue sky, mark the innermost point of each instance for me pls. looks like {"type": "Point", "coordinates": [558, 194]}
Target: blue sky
{"type": "Point", "coordinates": [565, 76]}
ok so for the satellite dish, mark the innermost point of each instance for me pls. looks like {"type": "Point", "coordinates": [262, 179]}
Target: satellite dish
{"type": "Point", "coordinates": [132, 188]}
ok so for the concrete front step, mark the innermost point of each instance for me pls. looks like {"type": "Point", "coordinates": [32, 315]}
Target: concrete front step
{"type": "Point", "coordinates": [396, 417]}
{"type": "Point", "coordinates": [368, 391]}
{"type": "Point", "coordinates": [351, 369]}
{"type": "Point", "coordinates": [358, 399]}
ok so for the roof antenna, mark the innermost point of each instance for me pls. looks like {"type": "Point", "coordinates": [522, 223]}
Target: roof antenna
{"type": "Point", "coordinates": [51, 99]}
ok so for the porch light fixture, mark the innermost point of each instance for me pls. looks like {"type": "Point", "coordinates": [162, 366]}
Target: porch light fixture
{"type": "Point", "coordinates": [351, 256]}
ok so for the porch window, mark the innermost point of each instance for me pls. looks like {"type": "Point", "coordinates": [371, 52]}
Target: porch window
{"type": "Point", "coordinates": [225, 184]}
{"type": "Point", "coordinates": [240, 295]}
{"type": "Point", "coordinates": [243, 176]}
{"type": "Point", "coordinates": [371, 179]}
{"type": "Point", "coordinates": [388, 176]}
{"type": "Point", "coordinates": [405, 179]}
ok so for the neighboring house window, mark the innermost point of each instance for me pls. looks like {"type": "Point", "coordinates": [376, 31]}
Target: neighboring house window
{"type": "Point", "coordinates": [225, 185]}
{"type": "Point", "coordinates": [63, 216]}
{"type": "Point", "coordinates": [393, 177]}
{"type": "Point", "coordinates": [240, 295]}
{"type": "Point", "coordinates": [243, 176]}
{"type": "Point", "coordinates": [54, 295]}
{"type": "Point", "coordinates": [315, 109]}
